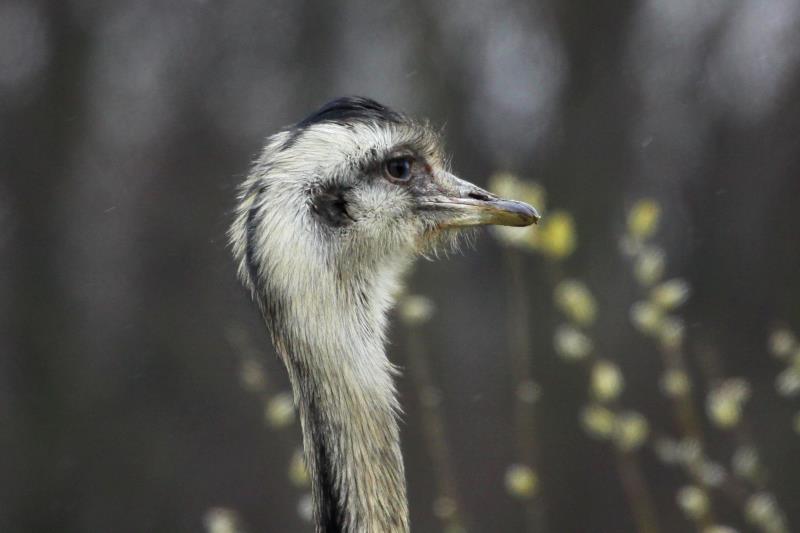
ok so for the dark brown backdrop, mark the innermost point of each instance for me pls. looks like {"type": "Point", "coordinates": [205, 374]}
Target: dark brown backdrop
{"type": "Point", "coordinates": [126, 125]}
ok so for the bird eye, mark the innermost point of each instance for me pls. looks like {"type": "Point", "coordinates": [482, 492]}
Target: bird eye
{"type": "Point", "coordinates": [399, 168]}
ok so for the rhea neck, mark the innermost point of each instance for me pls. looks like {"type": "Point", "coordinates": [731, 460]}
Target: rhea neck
{"type": "Point", "coordinates": [332, 340]}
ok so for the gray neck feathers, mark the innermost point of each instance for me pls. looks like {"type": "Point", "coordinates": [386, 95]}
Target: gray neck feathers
{"type": "Point", "coordinates": [332, 342]}
{"type": "Point", "coordinates": [353, 453]}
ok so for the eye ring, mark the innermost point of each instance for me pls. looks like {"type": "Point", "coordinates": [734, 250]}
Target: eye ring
{"type": "Point", "coordinates": [398, 169]}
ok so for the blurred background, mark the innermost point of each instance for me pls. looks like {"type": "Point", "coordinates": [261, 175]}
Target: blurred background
{"type": "Point", "coordinates": [631, 365]}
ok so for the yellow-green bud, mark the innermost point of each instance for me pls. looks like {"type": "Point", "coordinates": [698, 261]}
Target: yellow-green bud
{"type": "Point", "coordinates": [675, 383]}
{"type": "Point", "coordinates": [557, 237]}
{"type": "Point", "coordinates": [723, 410]}
{"type": "Point", "coordinates": [788, 382]}
{"type": "Point", "coordinates": [782, 343]}
{"type": "Point", "coordinates": [643, 219]}
{"type": "Point", "coordinates": [221, 520]}
{"type": "Point", "coordinates": [571, 343]}
{"type": "Point", "coordinates": [761, 509]}
{"type": "Point", "coordinates": [724, 402]}
{"type": "Point", "coordinates": [630, 431]}
{"type": "Point", "coordinates": [575, 300]}
{"type": "Point", "coordinates": [279, 410]}
{"type": "Point", "coordinates": [305, 507]}
{"type": "Point", "coordinates": [693, 501]}
{"type": "Point", "coordinates": [670, 294]}
{"type": "Point", "coordinates": [670, 332]}
{"type": "Point", "coordinates": [739, 388]}
{"type": "Point", "coordinates": [646, 317]}
{"type": "Point", "coordinates": [712, 474]}
{"type": "Point", "coordinates": [598, 421]}
{"type": "Point", "coordinates": [649, 266]}
{"type": "Point", "coordinates": [607, 381]}
{"type": "Point", "coordinates": [416, 309]}
{"type": "Point", "coordinates": [667, 450]}
{"type": "Point", "coordinates": [251, 375]}
{"type": "Point", "coordinates": [298, 473]}
{"type": "Point", "coordinates": [521, 481]}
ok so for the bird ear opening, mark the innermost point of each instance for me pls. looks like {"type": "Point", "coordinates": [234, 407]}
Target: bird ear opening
{"type": "Point", "coordinates": [329, 205]}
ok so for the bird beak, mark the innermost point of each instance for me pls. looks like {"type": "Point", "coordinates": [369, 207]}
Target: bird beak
{"type": "Point", "coordinates": [459, 203]}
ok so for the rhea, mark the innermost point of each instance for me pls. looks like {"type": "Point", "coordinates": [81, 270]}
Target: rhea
{"type": "Point", "coordinates": [332, 214]}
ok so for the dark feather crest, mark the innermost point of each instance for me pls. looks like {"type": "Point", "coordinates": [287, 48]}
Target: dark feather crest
{"type": "Point", "coordinates": [351, 109]}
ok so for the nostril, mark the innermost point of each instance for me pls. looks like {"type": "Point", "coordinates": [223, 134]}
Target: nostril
{"type": "Point", "coordinates": [479, 196]}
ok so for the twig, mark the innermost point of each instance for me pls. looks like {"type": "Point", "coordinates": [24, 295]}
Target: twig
{"type": "Point", "coordinates": [448, 508]}
{"type": "Point", "coordinates": [527, 445]}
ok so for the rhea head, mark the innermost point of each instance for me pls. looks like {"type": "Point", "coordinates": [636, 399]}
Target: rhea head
{"type": "Point", "coordinates": [333, 212]}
